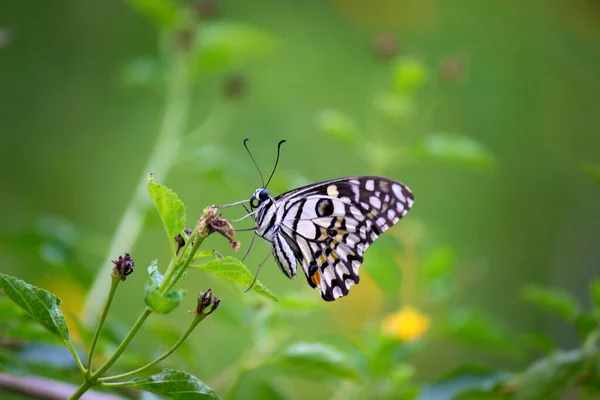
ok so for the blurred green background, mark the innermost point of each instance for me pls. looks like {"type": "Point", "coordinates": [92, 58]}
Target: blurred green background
{"type": "Point", "coordinates": [79, 119]}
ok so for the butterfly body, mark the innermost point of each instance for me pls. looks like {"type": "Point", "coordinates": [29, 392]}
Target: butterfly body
{"type": "Point", "coordinates": [325, 228]}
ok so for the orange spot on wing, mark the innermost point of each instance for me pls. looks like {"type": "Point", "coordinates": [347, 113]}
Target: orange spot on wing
{"type": "Point", "coordinates": [316, 278]}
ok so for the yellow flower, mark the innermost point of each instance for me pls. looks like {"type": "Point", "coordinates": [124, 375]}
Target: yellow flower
{"type": "Point", "coordinates": [407, 324]}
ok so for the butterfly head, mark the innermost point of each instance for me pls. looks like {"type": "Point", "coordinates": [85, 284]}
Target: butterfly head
{"type": "Point", "coordinates": [260, 196]}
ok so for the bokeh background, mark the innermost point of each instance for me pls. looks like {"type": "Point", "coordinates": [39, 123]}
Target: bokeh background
{"type": "Point", "coordinates": [493, 133]}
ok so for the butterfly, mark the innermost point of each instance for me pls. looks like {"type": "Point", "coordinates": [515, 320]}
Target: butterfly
{"type": "Point", "coordinates": [325, 228]}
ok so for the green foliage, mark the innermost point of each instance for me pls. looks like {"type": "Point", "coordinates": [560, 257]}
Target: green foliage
{"type": "Point", "coordinates": [225, 45]}
{"type": "Point", "coordinates": [170, 209]}
{"type": "Point", "coordinates": [452, 148]}
{"type": "Point", "coordinates": [595, 293]}
{"type": "Point", "coordinates": [339, 127]}
{"type": "Point", "coordinates": [163, 13]}
{"type": "Point", "coordinates": [409, 74]}
{"type": "Point", "coordinates": [315, 360]}
{"type": "Point", "coordinates": [233, 270]}
{"type": "Point", "coordinates": [176, 385]}
{"type": "Point", "coordinates": [162, 303]}
{"type": "Point", "coordinates": [39, 304]}
{"type": "Point", "coordinates": [593, 171]}
{"type": "Point", "coordinates": [553, 300]}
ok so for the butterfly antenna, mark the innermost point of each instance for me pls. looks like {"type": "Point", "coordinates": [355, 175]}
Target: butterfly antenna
{"type": "Point", "coordinates": [276, 161]}
{"type": "Point", "coordinates": [254, 161]}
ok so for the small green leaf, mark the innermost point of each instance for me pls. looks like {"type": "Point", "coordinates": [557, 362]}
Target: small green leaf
{"type": "Point", "coordinates": [176, 385]}
{"type": "Point", "coordinates": [41, 305]}
{"type": "Point", "coordinates": [154, 273]}
{"type": "Point", "coordinates": [553, 300]}
{"type": "Point", "coordinates": [318, 360]}
{"type": "Point", "coordinates": [338, 126]}
{"type": "Point", "coordinates": [477, 329]}
{"type": "Point", "coordinates": [159, 303]}
{"type": "Point", "coordinates": [593, 171]}
{"type": "Point", "coordinates": [143, 73]}
{"type": "Point", "coordinates": [233, 270]}
{"type": "Point", "coordinates": [162, 12]}
{"type": "Point", "coordinates": [456, 149]}
{"type": "Point", "coordinates": [595, 293]}
{"type": "Point", "coordinates": [394, 106]}
{"type": "Point", "coordinates": [170, 209]}
{"type": "Point", "coordinates": [203, 254]}
{"type": "Point", "coordinates": [225, 45]}
{"type": "Point", "coordinates": [409, 75]}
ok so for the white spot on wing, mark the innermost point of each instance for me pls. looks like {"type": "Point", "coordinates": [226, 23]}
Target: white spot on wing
{"type": "Point", "coordinates": [370, 185]}
{"type": "Point", "coordinates": [391, 214]}
{"type": "Point", "coordinates": [337, 292]}
{"type": "Point", "coordinates": [356, 213]}
{"type": "Point", "coordinates": [332, 190]}
{"type": "Point", "coordinates": [375, 202]}
{"type": "Point", "coordinates": [398, 192]}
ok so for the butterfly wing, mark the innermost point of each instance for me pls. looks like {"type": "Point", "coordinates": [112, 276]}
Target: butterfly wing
{"type": "Point", "coordinates": [329, 225]}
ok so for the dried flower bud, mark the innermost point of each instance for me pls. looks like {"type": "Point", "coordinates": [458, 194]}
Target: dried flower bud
{"type": "Point", "coordinates": [123, 266]}
{"type": "Point", "coordinates": [216, 223]}
{"type": "Point", "coordinates": [385, 46]}
{"type": "Point", "coordinates": [206, 9]}
{"type": "Point", "coordinates": [235, 86]}
{"type": "Point", "coordinates": [180, 240]}
{"type": "Point", "coordinates": [452, 69]}
{"type": "Point", "coordinates": [207, 303]}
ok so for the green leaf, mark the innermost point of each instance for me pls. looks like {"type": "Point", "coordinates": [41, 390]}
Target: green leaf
{"type": "Point", "coordinates": [477, 329]}
{"type": "Point", "coordinates": [338, 126]}
{"type": "Point", "coordinates": [41, 305]}
{"type": "Point", "coordinates": [143, 73]}
{"type": "Point", "coordinates": [318, 360]}
{"type": "Point", "coordinates": [29, 331]}
{"type": "Point", "coordinates": [233, 270]}
{"type": "Point", "coordinates": [595, 293]}
{"type": "Point", "coordinates": [394, 106]}
{"type": "Point", "coordinates": [593, 171]}
{"type": "Point", "coordinates": [549, 377]}
{"type": "Point", "coordinates": [170, 209]}
{"type": "Point", "coordinates": [225, 45]}
{"type": "Point", "coordinates": [154, 273]}
{"type": "Point", "coordinates": [159, 303]}
{"type": "Point", "coordinates": [162, 12]}
{"type": "Point", "coordinates": [466, 382]}
{"type": "Point", "coordinates": [409, 75]}
{"type": "Point", "coordinates": [554, 300]}
{"type": "Point", "coordinates": [176, 385]}
{"type": "Point", "coordinates": [456, 149]}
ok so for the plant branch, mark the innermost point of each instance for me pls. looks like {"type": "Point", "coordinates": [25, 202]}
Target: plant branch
{"type": "Point", "coordinates": [113, 287]}
{"type": "Point", "coordinates": [196, 321]}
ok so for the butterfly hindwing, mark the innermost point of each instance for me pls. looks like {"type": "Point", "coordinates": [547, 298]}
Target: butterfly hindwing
{"type": "Point", "coordinates": [328, 226]}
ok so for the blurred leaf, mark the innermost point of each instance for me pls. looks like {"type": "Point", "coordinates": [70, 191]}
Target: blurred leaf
{"type": "Point", "coordinates": [539, 342]}
{"type": "Point", "coordinates": [154, 273]}
{"type": "Point", "coordinates": [586, 323]}
{"type": "Point", "coordinates": [233, 270]}
{"type": "Point", "coordinates": [58, 229]}
{"type": "Point", "coordinates": [549, 377]}
{"type": "Point", "coordinates": [162, 303]}
{"type": "Point", "coordinates": [225, 45]}
{"type": "Point", "coordinates": [409, 75]}
{"type": "Point", "coordinates": [162, 12]}
{"type": "Point", "coordinates": [595, 293]}
{"type": "Point", "coordinates": [380, 267]}
{"type": "Point", "coordinates": [453, 149]}
{"type": "Point", "coordinates": [271, 389]}
{"type": "Point", "coordinates": [338, 126]}
{"type": "Point", "coordinates": [142, 72]}
{"type": "Point", "coordinates": [477, 329]}
{"type": "Point", "coordinates": [170, 209]}
{"type": "Point", "coordinates": [316, 360]}
{"type": "Point", "coordinates": [9, 310]}
{"type": "Point", "coordinates": [394, 106]}
{"type": "Point", "coordinates": [593, 171]}
{"type": "Point", "coordinates": [39, 304]}
{"type": "Point", "coordinates": [29, 331]}
{"type": "Point", "coordinates": [176, 385]}
{"type": "Point", "coordinates": [300, 301]}
{"type": "Point", "coordinates": [554, 300]}
{"type": "Point", "coordinates": [169, 334]}
{"type": "Point", "coordinates": [438, 273]}
{"type": "Point", "coordinates": [465, 382]}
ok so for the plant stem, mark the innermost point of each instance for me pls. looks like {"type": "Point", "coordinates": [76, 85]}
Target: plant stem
{"type": "Point", "coordinates": [75, 356]}
{"type": "Point", "coordinates": [196, 321]}
{"type": "Point", "coordinates": [85, 386]}
{"type": "Point", "coordinates": [162, 158]}
{"type": "Point", "coordinates": [196, 241]}
{"type": "Point", "coordinates": [134, 329]}
{"type": "Point", "coordinates": [113, 287]}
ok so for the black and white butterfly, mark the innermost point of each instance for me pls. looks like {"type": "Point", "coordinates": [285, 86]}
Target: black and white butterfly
{"type": "Point", "coordinates": [325, 228]}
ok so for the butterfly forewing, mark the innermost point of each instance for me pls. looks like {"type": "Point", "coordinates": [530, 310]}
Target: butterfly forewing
{"type": "Point", "coordinates": [326, 228]}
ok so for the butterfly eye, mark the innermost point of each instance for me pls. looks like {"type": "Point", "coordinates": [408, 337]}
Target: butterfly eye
{"type": "Point", "coordinates": [263, 195]}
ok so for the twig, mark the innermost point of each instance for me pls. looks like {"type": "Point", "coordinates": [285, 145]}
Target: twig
{"type": "Point", "coordinates": [47, 389]}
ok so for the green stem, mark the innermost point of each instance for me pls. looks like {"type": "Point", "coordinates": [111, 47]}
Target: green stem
{"type": "Point", "coordinates": [134, 329]}
{"type": "Point", "coordinates": [113, 287]}
{"type": "Point", "coordinates": [85, 386]}
{"type": "Point", "coordinates": [75, 356]}
{"type": "Point", "coordinates": [196, 241]}
{"type": "Point", "coordinates": [163, 157]}
{"type": "Point", "coordinates": [196, 321]}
